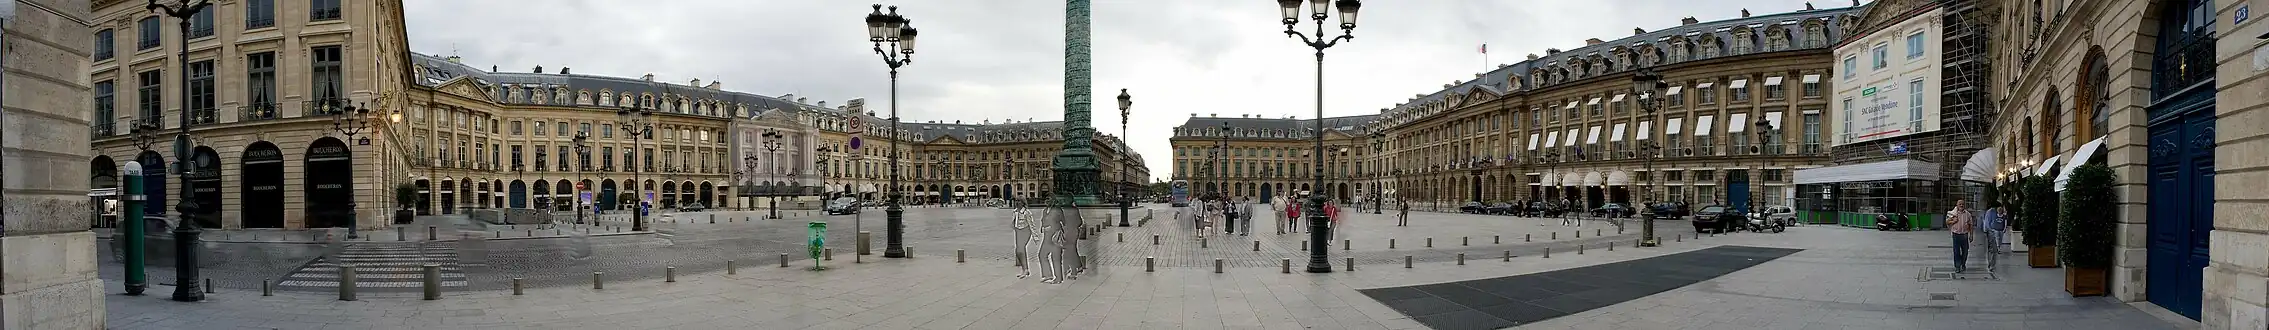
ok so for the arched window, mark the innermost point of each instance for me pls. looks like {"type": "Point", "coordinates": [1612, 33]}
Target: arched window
{"type": "Point", "coordinates": [2052, 114]}
{"type": "Point", "coordinates": [606, 98]}
{"type": "Point", "coordinates": [2094, 119]}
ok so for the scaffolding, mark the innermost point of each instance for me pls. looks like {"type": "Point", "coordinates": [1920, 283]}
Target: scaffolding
{"type": "Point", "coordinates": [1966, 109]}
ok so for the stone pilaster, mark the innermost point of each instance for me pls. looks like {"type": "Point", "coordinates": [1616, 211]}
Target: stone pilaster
{"type": "Point", "coordinates": [47, 280]}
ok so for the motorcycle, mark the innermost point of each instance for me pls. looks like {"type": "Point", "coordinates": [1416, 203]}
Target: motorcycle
{"type": "Point", "coordinates": [1885, 222]}
{"type": "Point", "coordinates": [1758, 224]}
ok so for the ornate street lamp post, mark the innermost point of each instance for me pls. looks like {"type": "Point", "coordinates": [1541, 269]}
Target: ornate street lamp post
{"type": "Point", "coordinates": [350, 121]}
{"type": "Point", "coordinates": [748, 168]}
{"type": "Point", "coordinates": [184, 235]}
{"type": "Point", "coordinates": [582, 161]}
{"type": "Point", "coordinates": [1319, 225]}
{"type": "Point", "coordinates": [1125, 201]}
{"type": "Point", "coordinates": [1377, 146]}
{"type": "Point", "coordinates": [892, 29]}
{"type": "Point", "coordinates": [1650, 87]}
{"type": "Point", "coordinates": [1764, 134]}
{"type": "Point", "coordinates": [771, 147]}
{"type": "Point", "coordinates": [636, 121]}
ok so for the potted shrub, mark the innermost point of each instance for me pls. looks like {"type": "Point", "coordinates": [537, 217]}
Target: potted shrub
{"type": "Point", "coordinates": [406, 196]}
{"type": "Point", "coordinates": [2087, 229]}
{"type": "Point", "coordinates": [2037, 215]}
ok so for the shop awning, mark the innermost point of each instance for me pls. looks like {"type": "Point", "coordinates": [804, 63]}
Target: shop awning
{"type": "Point", "coordinates": [1772, 81]}
{"type": "Point", "coordinates": [1980, 166]}
{"type": "Point", "coordinates": [1571, 141]}
{"type": "Point", "coordinates": [1674, 90]}
{"type": "Point", "coordinates": [1617, 135]}
{"type": "Point", "coordinates": [1704, 85]}
{"type": "Point", "coordinates": [1643, 130]}
{"type": "Point", "coordinates": [1531, 141]}
{"type": "Point", "coordinates": [1552, 139]}
{"type": "Point", "coordinates": [1594, 101]}
{"type": "Point", "coordinates": [1594, 179]}
{"type": "Point", "coordinates": [2046, 165]}
{"type": "Point", "coordinates": [1548, 179]}
{"type": "Point", "coordinates": [1739, 123]}
{"type": "Point", "coordinates": [1571, 179]}
{"type": "Point", "coordinates": [1619, 178]}
{"type": "Point", "coordinates": [1738, 84]}
{"type": "Point", "coordinates": [2079, 157]}
{"type": "Point", "coordinates": [1877, 171]}
{"type": "Point", "coordinates": [1702, 125]}
{"type": "Point", "coordinates": [1592, 137]}
{"type": "Point", "coordinates": [1617, 98]}
{"type": "Point", "coordinates": [1811, 79]}
{"type": "Point", "coordinates": [1571, 105]}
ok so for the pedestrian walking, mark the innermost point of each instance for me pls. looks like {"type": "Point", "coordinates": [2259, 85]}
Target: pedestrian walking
{"type": "Point", "coordinates": [1992, 227]}
{"type": "Point", "coordinates": [1403, 219]}
{"type": "Point", "coordinates": [1229, 213]}
{"type": "Point", "coordinates": [1959, 222]}
{"type": "Point", "coordinates": [1247, 227]}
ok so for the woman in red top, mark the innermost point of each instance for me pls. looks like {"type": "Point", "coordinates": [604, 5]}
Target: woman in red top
{"type": "Point", "coordinates": [1331, 210]}
{"type": "Point", "coordinates": [1292, 216]}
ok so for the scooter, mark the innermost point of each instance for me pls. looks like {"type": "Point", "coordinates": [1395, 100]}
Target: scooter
{"type": "Point", "coordinates": [1758, 224]}
{"type": "Point", "coordinates": [1885, 222]}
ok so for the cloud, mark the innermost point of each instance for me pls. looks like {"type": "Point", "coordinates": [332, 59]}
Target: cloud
{"type": "Point", "coordinates": [1002, 59]}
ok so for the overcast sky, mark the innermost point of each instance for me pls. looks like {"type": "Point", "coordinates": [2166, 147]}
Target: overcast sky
{"type": "Point", "coordinates": [1002, 59]}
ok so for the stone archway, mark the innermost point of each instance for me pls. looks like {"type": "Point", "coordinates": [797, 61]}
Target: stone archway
{"type": "Point", "coordinates": [262, 172]}
{"type": "Point", "coordinates": [153, 183]}
{"type": "Point", "coordinates": [518, 195]}
{"type": "Point", "coordinates": [103, 192]}
{"type": "Point", "coordinates": [328, 173]}
{"type": "Point", "coordinates": [206, 181]}
{"type": "Point", "coordinates": [708, 194]}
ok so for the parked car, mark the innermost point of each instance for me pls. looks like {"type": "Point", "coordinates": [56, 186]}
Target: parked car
{"type": "Point", "coordinates": [1716, 219]}
{"type": "Point", "coordinates": [1613, 210]}
{"type": "Point", "coordinates": [1776, 215]}
{"type": "Point", "coordinates": [692, 207]}
{"type": "Point", "coordinates": [843, 205]}
{"type": "Point", "coordinates": [1668, 210]}
{"type": "Point", "coordinates": [1499, 209]}
{"type": "Point", "coordinates": [1472, 207]}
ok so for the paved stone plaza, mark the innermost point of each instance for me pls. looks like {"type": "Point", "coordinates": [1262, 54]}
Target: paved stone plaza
{"type": "Point", "coordinates": [1838, 278]}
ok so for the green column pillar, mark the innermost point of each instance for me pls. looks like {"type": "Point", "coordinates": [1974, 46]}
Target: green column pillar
{"type": "Point", "coordinates": [133, 235]}
{"type": "Point", "coordinates": [1076, 167]}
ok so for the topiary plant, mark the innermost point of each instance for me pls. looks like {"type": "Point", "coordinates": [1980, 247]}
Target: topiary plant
{"type": "Point", "coordinates": [2087, 230]}
{"type": "Point", "coordinates": [405, 195]}
{"type": "Point", "coordinates": [2037, 210]}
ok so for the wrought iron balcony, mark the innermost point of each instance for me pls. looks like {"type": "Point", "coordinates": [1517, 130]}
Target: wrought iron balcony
{"type": "Point", "coordinates": [324, 107]}
{"type": "Point", "coordinates": [204, 116]}
{"type": "Point", "coordinates": [258, 112]}
{"type": "Point", "coordinates": [103, 127]}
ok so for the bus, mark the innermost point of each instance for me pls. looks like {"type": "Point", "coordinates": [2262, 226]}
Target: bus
{"type": "Point", "coordinates": [1179, 193]}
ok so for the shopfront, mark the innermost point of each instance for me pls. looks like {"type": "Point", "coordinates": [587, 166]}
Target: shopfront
{"type": "Point", "coordinates": [1854, 195]}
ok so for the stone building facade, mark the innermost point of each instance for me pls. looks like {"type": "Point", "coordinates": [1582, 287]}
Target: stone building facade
{"type": "Point", "coordinates": [48, 281]}
{"type": "Point", "coordinates": [2144, 88]}
{"type": "Point", "coordinates": [1568, 124]}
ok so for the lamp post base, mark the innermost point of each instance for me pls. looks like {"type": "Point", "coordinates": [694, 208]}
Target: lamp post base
{"type": "Point", "coordinates": [894, 219]}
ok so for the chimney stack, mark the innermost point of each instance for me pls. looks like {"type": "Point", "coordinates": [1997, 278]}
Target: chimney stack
{"type": "Point", "coordinates": [1638, 31]}
{"type": "Point", "coordinates": [539, 69]}
{"type": "Point", "coordinates": [1593, 41]}
{"type": "Point", "coordinates": [649, 77]}
{"type": "Point", "coordinates": [822, 103]}
{"type": "Point", "coordinates": [801, 100]}
{"type": "Point", "coordinates": [695, 82]}
{"type": "Point", "coordinates": [456, 59]}
{"type": "Point", "coordinates": [1744, 12]}
{"type": "Point", "coordinates": [717, 85]}
{"type": "Point", "coordinates": [563, 70]}
{"type": "Point", "coordinates": [1551, 51]}
{"type": "Point", "coordinates": [491, 68]}
{"type": "Point", "coordinates": [1532, 56]}
{"type": "Point", "coordinates": [1854, 3]}
{"type": "Point", "coordinates": [1689, 20]}
{"type": "Point", "coordinates": [1808, 6]}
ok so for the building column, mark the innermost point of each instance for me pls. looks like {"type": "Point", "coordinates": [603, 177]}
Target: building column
{"type": "Point", "coordinates": [49, 278]}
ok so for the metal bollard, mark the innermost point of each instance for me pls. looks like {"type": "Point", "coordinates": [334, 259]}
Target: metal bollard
{"type": "Point", "coordinates": [729, 269]}
{"type": "Point", "coordinates": [670, 274]}
{"type": "Point", "coordinates": [1579, 249]}
{"type": "Point", "coordinates": [1406, 261]}
{"type": "Point", "coordinates": [1598, 232]}
{"type": "Point", "coordinates": [432, 281]}
{"type": "Point", "coordinates": [1461, 259]}
{"type": "Point", "coordinates": [1350, 264]}
{"type": "Point", "coordinates": [208, 285]}
{"type": "Point", "coordinates": [429, 232]}
{"type": "Point", "coordinates": [1390, 244]}
{"type": "Point", "coordinates": [1579, 234]}
{"type": "Point", "coordinates": [1528, 237]}
{"type": "Point", "coordinates": [1429, 242]}
{"type": "Point", "coordinates": [712, 219]}
{"type": "Point", "coordinates": [960, 256]}
{"type": "Point", "coordinates": [827, 254]}
{"type": "Point", "coordinates": [1149, 264]}
{"type": "Point", "coordinates": [909, 251]}
{"type": "Point", "coordinates": [1681, 237]}
{"type": "Point", "coordinates": [399, 234]}
{"type": "Point", "coordinates": [516, 286]}
{"type": "Point", "coordinates": [1555, 235]}
{"type": "Point", "coordinates": [1548, 252]}
{"type": "Point", "coordinates": [1465, 241]}
{"type": "Point", "coordinates": [1201, 242]}
{"type": "Point", "coordinates": [531, 233]}
{"type": "Point", "coordinates": [1284, 265]}
{"type": "Point", "coordinates": [1496, 239]}
{"type": "Point", "coordinates": [596, 283]}
{"type": "Point", "coordinates": [1346, 244]}
{"type": "Point", "coordinates": [1303, 245]}
{"type": "Point", "coordinates": [783, 260]}
{"type": "Point", "coordinates": [1611, 246]}
{"type": "Point", "coordinates": [1508, 255]}
{"type": "Point", "coordinates": [1216, 265]}
{"type": "Point", "coordinates": [1153, 239]}
{"type": "Point", "coordinates": [1256, 245]}
{"type": "Point", "coordinates": [265, 289]}
{"type": "Point", "coordinates": [1122, 237]}
{"type": "Point", "coordinates": [347, 283]}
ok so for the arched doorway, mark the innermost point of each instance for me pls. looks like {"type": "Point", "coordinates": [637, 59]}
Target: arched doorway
{"type": "Point", "coordinates": [153, 183]}
{"type": "Point", "coordinates": [425, 196]}
{"type": "Point", "coordinates": [329, 176]}
{"type": "Point", "coordinates": [206, 181]}
{"type": "Point", "coordinates": [102, 192]}
{"type": "Point", "coordinates": [498, 199]}
{"type": "Point", "coordinates": [2181, 141]}
{"type": "Point", "coordinates": [609, 197]}
{"type": "Point", "coordinates": [448, 200]}
{"type": "Point", "coordinates": [562, 195]}
{"type": "Point", "coordinates": [685, 193]}
{"type": "Point", "coordinates": [484, 193]}
{"type": "Point", "coordinates": [649, 196]}
{"type": "Point", "coordinates": [518, 193]}
{"type": "Point", "coordinates": [669, 195]}
{"type": "Point", "coordinates": [542, 196]}
{"type": "Point", "coordinates": [263, 173]}
{"type": "Point", "coordinates": [1268, 191]}
{"type": "Point", "coordinates": [708, 194]}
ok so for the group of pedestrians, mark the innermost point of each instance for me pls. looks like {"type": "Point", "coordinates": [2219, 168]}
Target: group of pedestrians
{"type": "Point", "coordinates": [1991, 223]}
{"type": "Point", "coordinates": [1227, 213]}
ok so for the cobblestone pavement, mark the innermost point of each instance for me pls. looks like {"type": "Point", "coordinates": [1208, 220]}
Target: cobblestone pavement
{"type": "Point", "coordinates": [1844, 279]}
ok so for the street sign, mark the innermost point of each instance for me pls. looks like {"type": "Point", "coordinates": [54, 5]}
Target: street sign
{"type": "Point", "coordinates": [855, 142]}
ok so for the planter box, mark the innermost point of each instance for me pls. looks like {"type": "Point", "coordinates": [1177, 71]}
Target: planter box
{"type": "Point", "coordinates": [2042, 256]}
{"type": "Point", "coordinates": [2085, 282]}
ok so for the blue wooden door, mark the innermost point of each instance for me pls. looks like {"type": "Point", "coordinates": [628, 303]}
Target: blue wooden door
{"type": "Point", "coordinates": [2181, 209]}
{"type": "Point", "coordinates": [1737, 192]}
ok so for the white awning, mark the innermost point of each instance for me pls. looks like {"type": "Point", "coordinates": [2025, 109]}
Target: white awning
{"type": "Point", "coordinates": [1674, 90]}
{"type": "Point", "coordinates": [1738, 84]}
{"type": "Point", "coordinates": [1772, 81]}
{"type": "Point", "coordinates": [1594, 101]}
{"type": "Point", "coordinates": [1703, 85]}
{"type": "Point", "coordinates": [1553, 139]}
{"type": "Point", "coordinates": [1738, 124]}
{"type": "Point", "coordinates": [1618, 133]}
{"type": "Point", "coordinates": [2079, 157]}
{"type": "Point", "coordinates": [1702, 125]}
{"type": "Point", "coordinates": [1532, 141]}
{"type": "Point", "coordinates": [1593, 136]}
{"type": "Point", "coordinates": [1673, 127]}
{"type": "Point", "coordinates": [1571, 179]}
{"type": "Point", "coordinates": [1980, 166]}
{"type": "Point", "coordinates": [1775, 119]}
{"type": "Point", "coordinates": [1619, 178]}
{"type": "Point", "coordinates": [1877, 171]}
{"type": "Point", "coordinates": [2046, 165]}
{"type": "Point", "coordinates": [1571, 138]}
{"type": "Point", "coordinates": [1644, 130]}
{"type": "Point", "coordinates": [1549, 179]}
{"type": "Point", "coordinates": [1571, 104]}
{"type": "Point", "coordinates": [1594, 179]}
{"type": "Point", "coordinates": [1811, 79]}
{"type": "Point", "coordinates": [1617, 98]}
